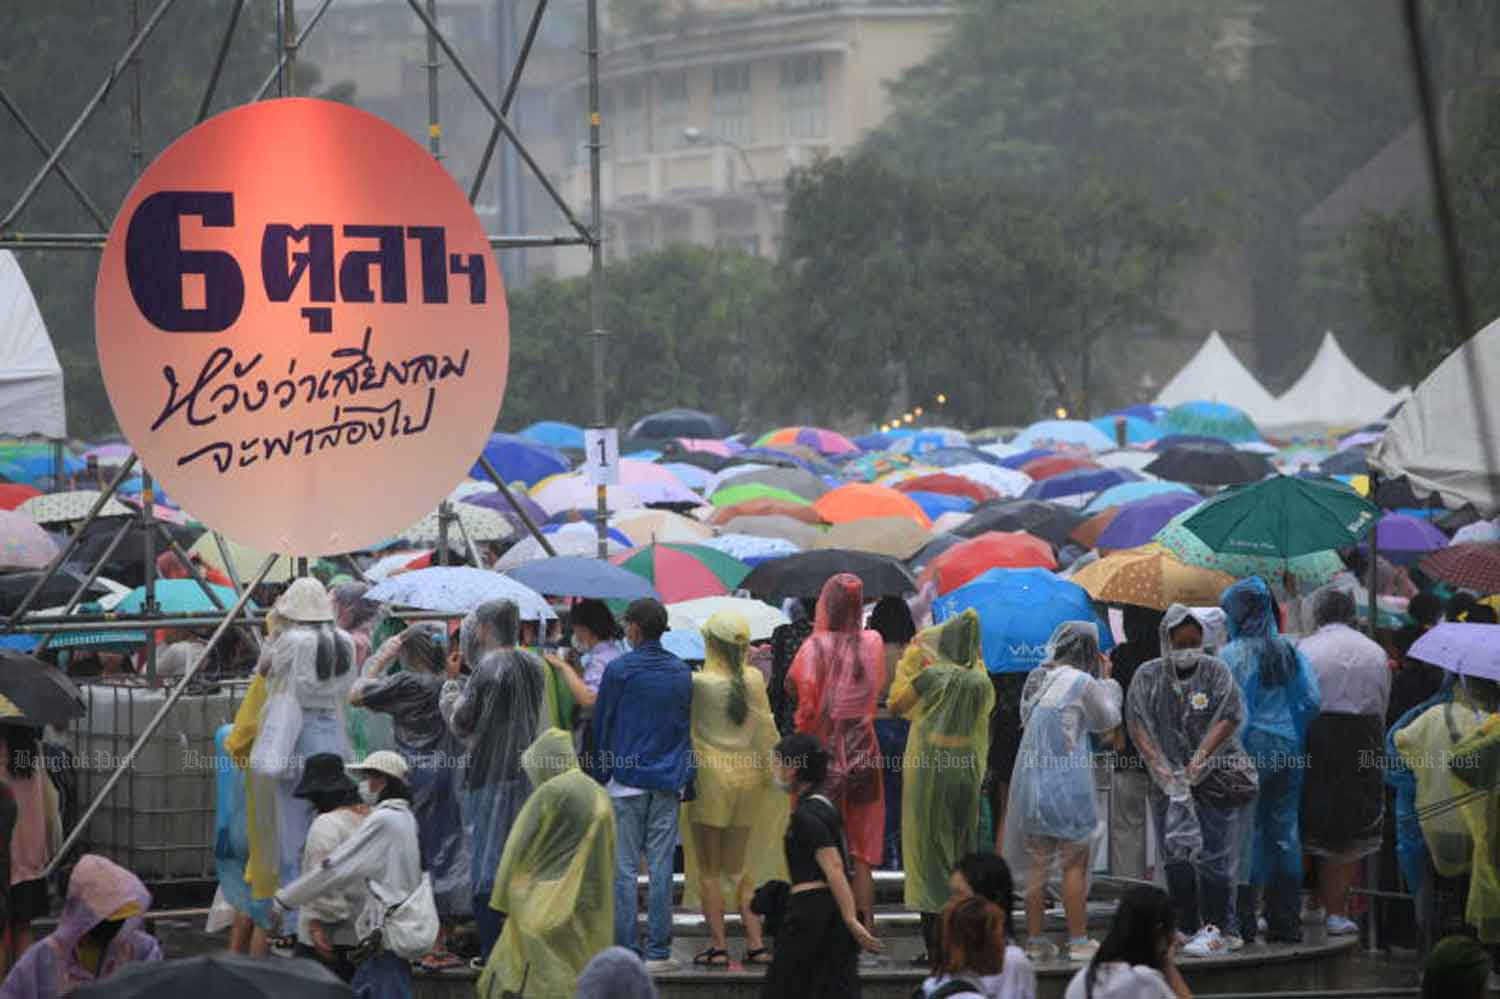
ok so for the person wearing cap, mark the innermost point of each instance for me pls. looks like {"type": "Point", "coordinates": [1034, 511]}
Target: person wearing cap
{"type": "Point", "coordinates": [325, 930]}
{"type": "Point", "coordinates": [733, 734]}
{"type": "Point", "coordinates": [383, 853]}
{"type": "Point", "coordinates": [308, 667]}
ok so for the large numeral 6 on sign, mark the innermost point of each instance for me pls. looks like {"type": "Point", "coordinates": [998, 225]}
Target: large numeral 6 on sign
{"type": "Point", "coordinates": [301, 327]}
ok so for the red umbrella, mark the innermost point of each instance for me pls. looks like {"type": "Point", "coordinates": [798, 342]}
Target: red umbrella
{"type": "Point", "coordinates": [1473, 565]}
{"type": "Point", "coordinates": [991, 550]}
{"type": "Point", "coordinates": [948, 485]}
{"type": "Point", "coordinates": [13, 494]}
{"type": "Point", "coordinates": [1056, 464]}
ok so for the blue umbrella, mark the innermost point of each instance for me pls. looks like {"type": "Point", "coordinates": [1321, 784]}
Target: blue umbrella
{"type": "Point", "coordinates": [695, 478]}
{"type": "Point", "coordinates": [1131, 492]}
{"type": "Point", "coordinates": [1137, 430]}
{"type": "Point", "coordinates": [574, 576]}
{"type": "Point", "coordinates": [1075, 432]}
{"type": "Point", "coordinates": [937, 504]}
{"type": "Point", "coordinates": [458, 588]}
{"type": "Point", "coordinates": [176, 596]}
{"type": "Point", "coordinates": [1137, 523]}
{"type": "Point", "coordinates": [878, 441]}
{"type": "Point", "coordinates": [554, 434]}
{"type": "Point", "coordinates": [11, 472]}
{"type": "Point", "coordinates": [1212, 419]}
{"type": "Point", "coordinates": [518, 459]}
{"type": "Point", "coordinates": [1460, 647]}
{"type": "Point", "coordinates": [685, 644]}
{"type": "Point", "coordinates": [1023, 457]}
{"type": "Point", "coordinates": [1085, 480]}
{"type": "Point", "coordinates": [1141, 411]}
{"type": "Point", "coordinates": [612, 533]}
{"type": "Point", "coordinates": [36, 465]}
{"type": "Point", "coordinates": [1018, 610]}
{"type": "Point", "coordinates": [772, 456]}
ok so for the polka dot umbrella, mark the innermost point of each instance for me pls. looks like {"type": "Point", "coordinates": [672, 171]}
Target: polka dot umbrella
{"type": "Point", "coordinates": [1151, 576]}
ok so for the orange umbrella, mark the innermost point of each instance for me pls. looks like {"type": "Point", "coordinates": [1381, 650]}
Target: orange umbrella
{"type": "Point", "coordinates": [767, 508]}
{"type": "Point", "coordinates": [1056, 464]}
{"type": "Point", "coordinates": [948, 485]}
{"type": "Point", "coordinates": [861, 501]}
{"type": "Point", "coordinates": [991, 550]}
{"type": "Point", "coordinates": [1087, 533]}
{"type": "Point", "coordinates": [1151, 576]}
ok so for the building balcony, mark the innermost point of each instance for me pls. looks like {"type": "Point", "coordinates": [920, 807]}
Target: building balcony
{"type": "Point", "coordinates": [694, 175]}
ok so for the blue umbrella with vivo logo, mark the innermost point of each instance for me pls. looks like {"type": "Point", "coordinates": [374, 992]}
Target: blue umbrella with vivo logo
{"type": "Point", "coordinates": [1018, 610]}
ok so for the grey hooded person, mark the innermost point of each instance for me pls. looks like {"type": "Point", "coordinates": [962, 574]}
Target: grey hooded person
{"type": "Point", "coordinates": [1184, 710]}
{"type": "Point", "coordinates": [615, 973]}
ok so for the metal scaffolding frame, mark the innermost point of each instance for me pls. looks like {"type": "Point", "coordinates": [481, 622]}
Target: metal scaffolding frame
{"type": "Point", "coordinates": [282, 77]}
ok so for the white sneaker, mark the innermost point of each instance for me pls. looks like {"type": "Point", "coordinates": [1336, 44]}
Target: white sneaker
{"type": "Point", "coordinates": [1041, 951]}
{"type": "Point", "coordinates": [1312, 917]}
{"type": "Point", "coordinates": [1262, 926]}
{"type": "Point", "coordinates": [1342, 926]}
{"type": "Point", "coordinates": [1207, 942]}
{"type": "Point", "coordinates": [1233, 943]}
{"type": "Point", "coordinates": [1083, 951]}
{"type": "Point", "coordinates": [663, 966]}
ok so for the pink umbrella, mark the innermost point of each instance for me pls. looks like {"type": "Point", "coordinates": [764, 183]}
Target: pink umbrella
{"type": "Point", "coordinates": [23, 545]}
{"type": "Point", "coordinates": [713, 447]}
{"type": "Point", "coordinates": [109, 454]}
{"type": "Point", "coordinates": [825, 442]}
{"type": "Point", "coordinates": [654, 483]}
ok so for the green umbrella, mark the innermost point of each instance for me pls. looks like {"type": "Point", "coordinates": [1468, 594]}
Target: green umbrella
{"type": "Point", "coordinates": [733, 495]}
{"type": "Point", "coordinates": [685, 572]}
{"type": "Point", "coordinates": [1283, 517]}
{"type": "Point", "coordinates": [1310, 570]}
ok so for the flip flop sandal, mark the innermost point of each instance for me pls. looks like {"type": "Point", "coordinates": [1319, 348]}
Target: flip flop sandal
{"type": "Point", "coordinates": [710, 958]}
{"type": "Point", "coordinates": [760, 956]}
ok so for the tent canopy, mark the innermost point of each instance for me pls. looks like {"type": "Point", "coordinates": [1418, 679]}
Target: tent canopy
{"type": "Point", "coordinates": [31, 380]}
{"type": "Point", "coordinates": [1216, 375]}
{"type": "Point", "coordinates": [1332, 391]}
{"type": "Point", "coordinates": [1446, 437]}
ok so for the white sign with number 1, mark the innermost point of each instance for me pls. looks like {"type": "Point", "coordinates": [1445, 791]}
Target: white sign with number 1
{"type": "Point", "coordinates": [601, 461]}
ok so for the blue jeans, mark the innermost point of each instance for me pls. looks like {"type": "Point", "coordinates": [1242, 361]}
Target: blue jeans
{"type": "Point", "coordinates": [487, 924]}
{"type": "Point", "coordinates": [384, 976]}
{"type": "Point", "coordinates": [891, 734]}
{"type": "Point", "coordinates": [645, 823]}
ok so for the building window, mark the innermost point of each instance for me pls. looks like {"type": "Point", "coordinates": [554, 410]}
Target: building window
{"type": "Point", "coordinates": [671, 111]}
{"type": "Point", "coordinates": [731, 104]}
{"type": "Point", "coordinates": [748, 243]}
{"type": "Point", "coordinates": [804, 102]}
{"type": "Point", "coordinates": [629, 130]}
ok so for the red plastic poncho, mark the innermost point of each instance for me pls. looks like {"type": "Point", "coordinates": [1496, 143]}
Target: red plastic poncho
{"type": "Point", "coordinates": [838, 675]}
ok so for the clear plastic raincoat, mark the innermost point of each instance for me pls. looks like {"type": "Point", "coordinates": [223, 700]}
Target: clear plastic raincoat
{"type": "Point", "coordinates": [943, 688]}
{"type": "Point", "coordinates": [1280, 692]}
{"type": "Point", "coordinates": [1052, 788]}
{"type": "Point", "coordinates": [838, 674]}
{"type": "Point", "coordinates": [369, 731]}
{"type": "Point", "coordinates": [497, 715]}
{"type": "Point", "coordinates": [556, 878]}
{"type": "Point", "coordinates": [732, 776]}
{"type": "Point", "coordinates": [1174, 702]}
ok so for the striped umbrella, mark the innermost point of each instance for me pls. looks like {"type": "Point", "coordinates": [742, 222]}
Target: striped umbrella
{"type": "Point", "coordinates": [824, 442]}
{"type": "Point", "coordinates": [684, 572]}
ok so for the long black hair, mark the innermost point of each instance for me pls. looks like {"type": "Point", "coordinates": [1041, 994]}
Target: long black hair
{"type": "Point", "coordinates": [335, 658]}
{"type": "Point", "coordinates": [395, 787]}
{"type": "Point", "coordinates": [989, 877]}
{"type": "Point", "coordinates": [1144, 917]}
{"type": "Point", "coordinates": [23, 749]}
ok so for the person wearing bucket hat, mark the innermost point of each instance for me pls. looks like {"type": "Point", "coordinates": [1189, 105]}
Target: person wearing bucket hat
{"type": "Point", "coordinates": [733, 733]}
{"type": "Point", "coordinates": [308, 669]}
{"type": "Point", "coordinates": [325, 928]}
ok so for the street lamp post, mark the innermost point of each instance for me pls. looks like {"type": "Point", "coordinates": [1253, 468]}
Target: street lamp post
{"type": "Point", "coordinates": [696, 136]}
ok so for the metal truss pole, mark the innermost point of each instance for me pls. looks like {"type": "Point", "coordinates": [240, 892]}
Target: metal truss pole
{"type": "Point", "coordinates": [596, 268]}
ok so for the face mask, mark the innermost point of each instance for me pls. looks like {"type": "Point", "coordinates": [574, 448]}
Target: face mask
{"type": "Point", "coordinates": [368, 794]}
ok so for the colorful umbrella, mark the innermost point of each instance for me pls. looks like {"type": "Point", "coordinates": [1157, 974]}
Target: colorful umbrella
{"type": "Point", "coordinates": [1137, 430]}
{"type": "Point", "coordinates": [698, 445]}
{"type": "Point", "coordinates": [1001, 480]}
{"type": "Point", "coordinates": [788, 456]}
{"type": "Point", "coordinates": [804, 575]}
{"type": "Point", "coordinates": [479, 523]}
{"type": "Point", "coordinates": [1137, 523]}
{"type": "Point", "coordinates": [1460, 647]}
{"type": "Point", "coordinates": [1018, 611]}
{"type": "Point", "coordinates": [587, 532]}
{"type": "Point", "coordinates": [108, 454]}
{"type": "Point", "coordinates": [796, 481]}
{"type": "Point", "coordinates": [575, 492]}
{"type": "Point", "coordinates": [949, 485]}
{"type": "Point", "coordinates": [1209, 465]}
{"type": "Point", "coordinates": [992, 550]}
{"type": "Point", "coordinates": [519, 459]}
{"type": "Point", "coordinates": [768, 507]}
{"type": "Point", "coordinates": [695, 478]}
{"type": "Point", "coordinates": [824, 442]}
{"type": "Point", "coordinates": [919, 442]}
{"type": "Point", "coordinates": [1020, 459]}
{"type": "Point", "coordinates": [869, 467]}
{"type": "Point", "coordinates": [653, 483]}
{"type": "Point", "coordinates": [23, 545]}
{"type": "Point", "coordinates": [684, 572]}
{"type": "Point", "coordinates": [1058, 464]}
{"type": "Point", "coordinates": [554, 434]}
{"type": "Point", "coordinates": [1068, 433]}
{"type": "Point", "coordinates": [1047, 521]}
{"type": "Point", "coordinates": [38, 465]}
{"type": "Point", "coordinates": [1210, 419]}
{"type": "Point", "coordinates": [861, 501]}
{"type": "Point", "coordinates": [1283, 517]}
{"type": "Point", "coordinates": [492, 500]}
{"type": "Point", "coordinates": [13, 494]}
{"type": "Point", "coordinates": [459, 589]}
{"type": "Point", "coordinates": [752, 549]}
{"type": "Point", "coordinates": [1473, 566]}
{"type": "Point", "coordinates": [739, 492]}
{"type": "Point", "coordinates": [177, 596]}
{"type": "Point", "coordinates": [1310, 570]}
{"type": "Point", "coordinates": [642, 527]}
{"type": "Point", "coordinates": [937, 505]}
{"type": "Point", "coordinates": [1151, 576]}
{"type": "Point", "coordinates": [1132, 492]}
{"type": "Point", "coordinates": [798, 532]}
{"type": "Point", "coordinates": [898, 537]}
{"type": "Point", "coordinates": [692, 615]}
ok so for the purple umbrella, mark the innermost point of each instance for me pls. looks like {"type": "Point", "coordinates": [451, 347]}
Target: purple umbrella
{"type": "Point", "coordinates": [1138, 523]}
{"type": "Point", "coordinates": [1402, 534]}
{"type": "Point", "coordinates": [1459, 647]}
{"type": "Point", "coordinates": [494, 501]}
{"type": "Point", "coordinates": [1084, 481]}
{"type": "Point", "coordinates": [1021, 458]}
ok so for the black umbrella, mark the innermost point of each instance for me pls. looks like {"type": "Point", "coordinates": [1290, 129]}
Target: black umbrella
{"type": "Point", "coordinates": [689, 423]}
{"type": "Point", "coordinates": [698, 459]}
{"type": "Point", "coordinates": [939, 544]}
{"type": "Point", "coordinates": [42, 694]}
{"type": "Point", "coordinates": [1397, 494]}
{"type": "Point", "coordinates": [1206, 465]}
{"type": "Point", "coordinates": [1051, 522]}
{"type": "Point", "coordinates": [127, 564]}
{"type": "Point", "coordinates": [804, 575]}
{"type": "Point", "coordinates": [220, 976]}
{"type": "Point", "coordinates": [59, 589]}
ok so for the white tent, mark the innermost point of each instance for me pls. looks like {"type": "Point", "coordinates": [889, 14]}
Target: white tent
{"type": "Point", "coordinates": [31, 380]}
{"type": "Point", "coordinates": [1446, 437]}
{"type": "Point", "coordinates": [1332, 391]}
{"type": "Point", "coordinates": [1216, 375]}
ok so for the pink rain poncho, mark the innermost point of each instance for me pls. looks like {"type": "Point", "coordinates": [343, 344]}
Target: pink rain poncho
{"type": "Point", "coordinates": [838, 674]}
{"type": "Point", "coordinates": [98, 890]}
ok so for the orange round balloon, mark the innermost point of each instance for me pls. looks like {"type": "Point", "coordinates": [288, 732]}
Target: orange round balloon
{"type": "Point", "coordinates": [301, 327]}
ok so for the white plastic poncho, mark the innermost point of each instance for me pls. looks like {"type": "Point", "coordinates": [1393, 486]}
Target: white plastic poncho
{"type": "Point", "coordinates": [1052, 787]}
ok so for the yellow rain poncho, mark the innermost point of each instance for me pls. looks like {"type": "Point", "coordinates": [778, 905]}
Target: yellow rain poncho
{"type": "Point", "coordinates": [732, 781]}
{"type": "Point", "coordinates": [556, 878]}
{"type": "Point", "coordinates": [944, 690]}
{"type": "Point", "coordinates": [1427, 746]}
{"type": "Point", "coordinates": [262, 870]}
{"type": "Point", "coordinates": [1476, 768]}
